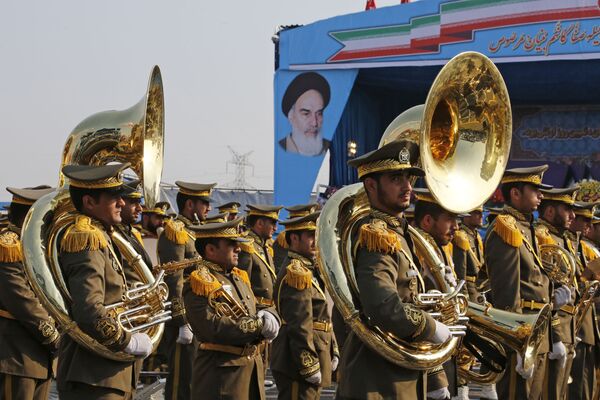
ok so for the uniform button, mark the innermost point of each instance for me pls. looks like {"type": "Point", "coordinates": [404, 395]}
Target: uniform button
{"type": "Point", "coordinates": [544, 299]}
{"type": "Point", "coordinates": [264, 275]}
{"type": "Point", "coordinates": [247, 296]}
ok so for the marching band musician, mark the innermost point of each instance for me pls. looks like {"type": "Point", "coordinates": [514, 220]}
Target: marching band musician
{"type": "Point", "coordinates": [556, 215]}
{"type": "Point", "coordinates": [176, 243]}
{"type": "Point", "coordinates": [28, 335]}
{"type": "Point", "coordinates": [517, 281]}
{"type": "Point", "coordinates": [93, 272]}
{"type": "Point", "coordinates": [387, 279]}
{"type": "Point", "coordinates": [232, 209]}
{"type": "Point", "coordinates": [221, 308]}
{"type": "Point", "coordinates": [280, 246]}
{"type": "Point", "coordinates": [467, 251]}
{"type": "Point", "coordinates": [305, 352]}
{"type": "Point", "coordinates": [153, 220]}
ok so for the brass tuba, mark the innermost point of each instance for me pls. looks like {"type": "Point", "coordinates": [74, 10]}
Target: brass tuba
{"type": "Point", "coordinates": [134, 135]}
{"type": "Point", "coordinates": [464, 132]}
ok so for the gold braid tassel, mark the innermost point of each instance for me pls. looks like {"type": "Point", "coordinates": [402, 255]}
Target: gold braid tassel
{"type": "Point", "coordinates": [506, 227]}
{"type": "Point", "coordinates": [588, 252]}
{"type": "Point", "coordinates": [203, 282]}
{"type": "Point", "coordinates": [281, 240]}
{"type": "Point", "coordinates": [240, 273]}
{"type": "Point", "coordinates": [376, 237]}
{"type": "Point", "coordinates": [175, 231]}
{"type": "Point", "coordinates": [82, 235]}
{"type": "Point", "coordinates": [138, 236]}
{"type": "Point", "coordinates": [461, 240]}
{"type": "Point", "coordinates": [543, 236]}
{"type": "Point", "coordinates": [247, 247]}
{"type": "Point", "coordinates": [298, 276]}
{"type": "Point", "coordinates": [10, 248]}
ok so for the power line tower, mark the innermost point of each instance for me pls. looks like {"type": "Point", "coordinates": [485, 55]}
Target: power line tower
{"type": "Point", "coordinates": [240, 163]}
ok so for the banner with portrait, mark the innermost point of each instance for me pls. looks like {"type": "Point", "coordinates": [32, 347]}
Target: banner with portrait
{"type": "Point", "coordinates": [308, 107]}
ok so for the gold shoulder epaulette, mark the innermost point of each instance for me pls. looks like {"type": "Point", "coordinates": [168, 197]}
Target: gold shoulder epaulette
{"type": "Point", "coordinates": [247, 247]}
{"type": "Point", "coordinates": [175, 231]}
{"type": "Point", "coordinates": [588, 251]}
{"type": "Point", "coordinates": [243, 275]}
{"type": "Point", "coordinates": [506, 227]}
{"type": "Point", "coordinates": [542, 235]}
{"type": "Point", "coordinates": [281, 240]}
{"type": "Point", "coordinates": [10, 247]}
{"type": "Point", "coordinates": [461, 240]}
{"type": "Point", "coordinates": [83, 235]}
{"type": "Point", "coordinates": [376, 236]}
{"type": "Point", "coordinates": [203, 282]}
{"type": "Point", "coordinates": [297, 275]}
{"type": "Point", "coordinates": [137, 235]}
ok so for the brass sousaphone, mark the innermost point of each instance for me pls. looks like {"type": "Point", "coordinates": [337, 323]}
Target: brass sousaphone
{"type": "Point", "coordinates": [464, 132]}
{"type": "Point", "coordinates": [134, 135]}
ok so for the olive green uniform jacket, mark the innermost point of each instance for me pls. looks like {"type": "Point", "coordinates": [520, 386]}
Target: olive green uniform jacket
{"type": "Point", "coordinates": [387, 280]}
{"type": "Point", "coordinates": [28, 336]}
{"type": "Point", "coordinates": [93, 272]}
{"type": "Point", "coordinates": [589, 329]}
{"type": "Point", "coordinates": [220, 374]}
{"type": "Point", "coordinates": [306, 343]}
{"type": "Point", "coordinates": [257, 260]}
{"type": "Point", "coordinates": [467, 254]}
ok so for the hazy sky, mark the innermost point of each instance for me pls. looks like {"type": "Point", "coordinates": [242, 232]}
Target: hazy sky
{"type": "Point", "coordinates": [64, 60]}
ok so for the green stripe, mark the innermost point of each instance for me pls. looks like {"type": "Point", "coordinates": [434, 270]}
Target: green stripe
{"type": "Point", "coordinates": [467, 4]}
{"type": "Point", "coordinates": [385, 31]}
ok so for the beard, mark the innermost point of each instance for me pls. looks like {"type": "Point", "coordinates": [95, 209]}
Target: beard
{"type": "Point", "coordinates": [308, 145]}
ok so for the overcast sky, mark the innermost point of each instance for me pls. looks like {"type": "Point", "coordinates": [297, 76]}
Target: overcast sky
{"type": "Point", "coordinates": [64, 60]}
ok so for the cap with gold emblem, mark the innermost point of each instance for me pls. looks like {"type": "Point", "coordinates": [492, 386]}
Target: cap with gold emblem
{"type": "Point", "coordinates": [159, 208]}
{"type": "Point", "coordinates": [531, 175]}
{"type": "Point", "coordinates": [305, 223]}
{"type": "Point", "coordinates": [200, 190]}
{"type": "Point", "coordinates": [585, 210]}
{"type": "Point", "coordinates": [395, 156]}
{"type": "Point", "coordinates": [560, 195]}
{"type": "Point", "coordinates": [264, 210]}
{"type": "Point", "coordinates": [221, 217]}
{"type": "Point", "coordinates": [28, 196]}
{"type": "Point", "coordinates": [233, 207]}
{"type": "Point", "coordinates": [220, 230]}
{"type": "Point", "coordinates": [300, 210]}
{"type": "Point", "coordinates": [105, 177]}
{"type": "Point", "coordinates": [131, 190]}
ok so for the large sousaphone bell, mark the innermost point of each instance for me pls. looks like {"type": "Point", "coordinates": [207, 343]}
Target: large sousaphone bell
{"type": "Point", "coordinates": [464, 133]}
{"type": "Point", "coordinates": [134, 135]}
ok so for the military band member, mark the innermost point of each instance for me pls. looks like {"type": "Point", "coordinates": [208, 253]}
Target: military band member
{"type": "Point", "coordinates": [232, 209]}
{"type": "Point", "coordinates": [28, 336]}
{"type": "Point", "coordinates": [94, 275]}
{"type": "Point", "coordinates": [217, 218]}
{"type": "Point", "coordinates": [280, 246]}
{"type": "Point", "coordinates": [517, 281]}
{"type": "Point", "coordinates": [153, 220]}
{"type": "Point", "coordinates": [467, 251]}
{"type": "Point", "coordinates": [305, 352]}
{"type": "Point", "coordinates": [222, 311]}
{"type": "Point", "coordinates": [387, 278]}
{"type": "Point", "coordinates": [176, 243]}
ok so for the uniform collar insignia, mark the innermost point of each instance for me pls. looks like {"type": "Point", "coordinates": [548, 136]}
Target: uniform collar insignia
{"type": "Point", "coordinates": [212, 266]}
{"type": "Point", "coordinates": [185, 220]}
{"type": "Point", "coordinates": [389, 219]}
{"type": "Point", "coordinates": [257, 239]}
{"type": "Point", "coordinates": [296, 256]}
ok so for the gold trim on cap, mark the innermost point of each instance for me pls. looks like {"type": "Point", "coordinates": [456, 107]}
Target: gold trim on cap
{"type": "Point", "coordinates": [564, 198]}
{"type": "Point", "coordinates": [230, 210]}
{"type": "Point", "coordinates": [587, 213]}
{"type": "Point", "coordinates": [303, 226]}
{"type": "Point", "coordinates": [112, 182]}
{"type": "Point", "coordinates": [298, 214]}
{"type": "Point", "coordinates": [226, 233]}
{"type": "Point", "coordinates": [269, 214]}
{"type": "Point", "coordinates": [21, 200]}
{"type": "Point", "coordinates": [425, 197]}
{"type": "Point", "coordinates": [133, 195]}
{"type": "Point", "coordinates": [198, 193]}
{"type": "Point", "coordinates": [382, 165]}
{"type": "Point", "coordinates": [533, 178]}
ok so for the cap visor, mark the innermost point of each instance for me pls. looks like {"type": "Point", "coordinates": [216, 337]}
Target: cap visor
{"type": "Point", "coordinates": [240, 239]}
{"type": "Point", "coordinates": [415, 171]}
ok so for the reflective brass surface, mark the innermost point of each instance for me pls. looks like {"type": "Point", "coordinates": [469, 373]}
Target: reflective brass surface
{"type": "Point", "coordinates": [559, 264]}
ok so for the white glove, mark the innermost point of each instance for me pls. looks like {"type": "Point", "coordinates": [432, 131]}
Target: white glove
{"type": "Point", "coordinates": [314, 379]}
{"type": "Point", "coordinates": [334, 363]}
{"type": "Point", "coordinates": [185, 334]}
{"type": "Point", "coordinates": [270, 327]}
{"type": "Point", "coordinates": [450, 278]}
{"type": "Point", "coordinates": [140, 345]}
{"type": "Point", "coordinates": [441, 334]}
{"type": "Point", "coordinates": [438, 394]}
{"type": "Point", "coordinates": [559, 352]}
{"type": "Point", "coordinates": [525, 374]}
{"type": "Point", "coordinates": [562, 296]}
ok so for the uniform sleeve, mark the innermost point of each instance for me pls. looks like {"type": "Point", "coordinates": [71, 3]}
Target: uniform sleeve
{"type": "Point", "coordinates": [169, 251]}
{"type": "Point", "coordinates": [85, 278]}
{"type": "Point", "coordinates": [210, 328]}
{"type": "Point", "coordinates": [376, 276]}
{"type": "Point", "coordinates": [295, 307]}
{"type": "Point", "coordinates": [18, 298]}
{"type": "Point", "coordinates": [503, 268]}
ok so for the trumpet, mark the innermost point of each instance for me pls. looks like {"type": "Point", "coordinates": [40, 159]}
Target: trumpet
{"type": "Point", "coordinates": [584, 303]}
{"type": "Point", "coordinates": [230, 307]}
{"type": "Point", "coordinates": [173, 266]}
{"type": "Point", "coordinates": [447, 308]}
{"type": "Point", "coordinates": [143, 306]}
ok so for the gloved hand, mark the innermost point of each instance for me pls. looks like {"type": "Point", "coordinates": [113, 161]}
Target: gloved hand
{"type": "Point", "coordinates": [140, 345]}
{"type": "Point", "coordinates": [562, 296]}
{"type": "Point", "coordinates": [441, 334]}
{"type": "Point", "coordinates": [314, 379]}
{"type": "Point", "coordinates": [450, 278]}
{"type": "Point", "coordinates": [559, 352]}
{"type": "Point", "coordinates": [334, 363]}
{"type": "Point", "coordinates": [525, 374]}
{"type": "Point", "coordinates": [270, 327]}
{"type": "Point", "coordinates": [438, 394]}
{"type": "Point", "coordinates": [185, 334]}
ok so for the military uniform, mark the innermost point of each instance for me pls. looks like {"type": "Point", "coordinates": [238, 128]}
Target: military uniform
{"type": "Point", "coordinates": [388, 279]}
{"type": "Point", "coordinates": [176, 243]}
{"type": "Point", "coordinates": [468, 258]}
{"type": "Point", "coordinates": [517, 281]}
{"type": "Point", "coordinates": [228, 363]}
{"type": "Point", "coordinates": [306, 343]}
{"type": "Point", "coordinates": [92, 269]}
{"type": "Point", "coordinates": [150, 238]}
{"type": "Point", "coordinates": [28, 335]}
{"type": "Point", "coordinates": [232, 209]}
{"type": "Point", "coordinates": [280, 246]}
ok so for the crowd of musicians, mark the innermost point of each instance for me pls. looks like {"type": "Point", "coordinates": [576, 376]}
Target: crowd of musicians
{"type": "Point", "coordinates": [250, 302]}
